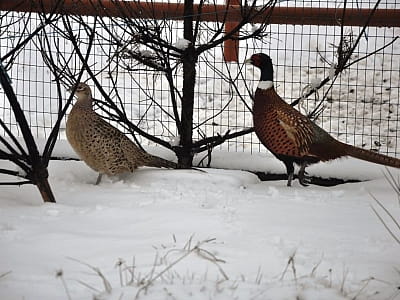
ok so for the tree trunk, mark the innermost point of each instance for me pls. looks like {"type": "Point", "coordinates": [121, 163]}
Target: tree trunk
{"type": "Point", "coordinates": [45, 190]}
{"type": "Point", "coordinates": [185, 155]}
{"type": "Point", "coordinates": [39, 177]}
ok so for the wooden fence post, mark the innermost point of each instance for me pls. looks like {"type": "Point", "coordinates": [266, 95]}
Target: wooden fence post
{"type": "Point", "coordinates": [231, 46]}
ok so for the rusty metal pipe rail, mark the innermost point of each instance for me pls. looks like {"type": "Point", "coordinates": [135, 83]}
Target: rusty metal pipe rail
{"type": "Point", "coordinates": [230, 14]}
{"type": "Point", "coordinates": [212, 13]}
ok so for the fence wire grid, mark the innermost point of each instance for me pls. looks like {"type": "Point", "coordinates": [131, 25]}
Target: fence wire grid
{"type": "Point", "coordinates": [362, 108]}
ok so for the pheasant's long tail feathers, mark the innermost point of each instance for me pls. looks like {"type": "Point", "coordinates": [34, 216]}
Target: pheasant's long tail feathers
{"type": "Point", "coordinates": [158, 162]}
{"type": "Point", "coordinates": [372, 156]}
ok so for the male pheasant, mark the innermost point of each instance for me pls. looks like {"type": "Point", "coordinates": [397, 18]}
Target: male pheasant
{"type": "Point", "coordinates": [291, 136]}
{"type": "Point", "coordinates": [100, 145]}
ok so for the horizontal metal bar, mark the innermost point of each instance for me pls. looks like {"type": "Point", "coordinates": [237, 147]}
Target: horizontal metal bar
{"type": "Point", "coordinates": [212, 13]}
{"type": "Point", "coordinates": [332, 16]}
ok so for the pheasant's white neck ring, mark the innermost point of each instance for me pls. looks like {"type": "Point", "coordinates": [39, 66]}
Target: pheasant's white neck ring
{"type": "Point", "coordinates": [265, 85]}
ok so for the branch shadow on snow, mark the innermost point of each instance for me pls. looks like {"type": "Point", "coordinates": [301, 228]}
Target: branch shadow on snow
{"type": "Point", "coordinates": [315, 180]}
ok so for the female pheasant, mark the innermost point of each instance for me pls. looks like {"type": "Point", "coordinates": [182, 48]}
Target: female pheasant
{"type": "Point", "coordinates": [100, 145]}
{"type": "Point", "coordinates": [291, 136]}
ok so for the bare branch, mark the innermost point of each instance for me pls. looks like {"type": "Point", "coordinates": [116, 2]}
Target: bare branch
{"type": "Point", "coordinates": [343, 55]}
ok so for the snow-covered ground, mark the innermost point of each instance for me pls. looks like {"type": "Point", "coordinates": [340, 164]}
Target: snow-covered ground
{"type": "Point", "coordinates": [185, 234]}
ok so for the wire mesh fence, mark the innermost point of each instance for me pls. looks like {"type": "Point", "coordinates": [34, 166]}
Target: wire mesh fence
{"type": "Point", "coordinates": [361, 108]}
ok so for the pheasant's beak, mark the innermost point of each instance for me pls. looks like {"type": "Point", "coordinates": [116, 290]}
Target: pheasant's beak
{"type": "Point", "coordinates": [248, 61]}
{"type": "Point", "coordinates": [72, 88]}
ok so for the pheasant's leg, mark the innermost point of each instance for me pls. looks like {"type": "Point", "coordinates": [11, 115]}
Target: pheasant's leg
{"type": "Point", "coordinates": [290, 178]}
{"type": "Point", "coordinates": [99, 178]}
{"type": "Point", "coordinates": [303, 178]}
{"type": "Point", "coordinates": [289, 171]}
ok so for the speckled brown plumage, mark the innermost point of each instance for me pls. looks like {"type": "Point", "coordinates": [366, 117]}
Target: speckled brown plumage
{"type": "Point", "coordinates": [100, 145]}
{"type": "Point", "coordinates": [294, 138]}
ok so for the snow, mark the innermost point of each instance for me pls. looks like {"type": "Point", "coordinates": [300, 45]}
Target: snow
{"type": "Point", "coordinates": [315, 83]}
{"type": "Point", "coordinates": [332, 71]}
{"type": "Point", "coordinates": [174, 140]}
{"type": "Point", "coordinates": [156, 219]}
{"type": "Point", "coordinates": [146, 53]}
{"type": "Point", "coordinates": [182, 44]}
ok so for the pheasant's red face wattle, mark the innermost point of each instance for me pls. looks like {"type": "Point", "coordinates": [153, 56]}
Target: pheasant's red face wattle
{"type": "Point", "coordinates": [256, 60]}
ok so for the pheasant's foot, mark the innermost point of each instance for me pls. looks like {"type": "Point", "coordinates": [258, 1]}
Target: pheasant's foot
{"type": "Point", "coordinates": [304, 179]}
